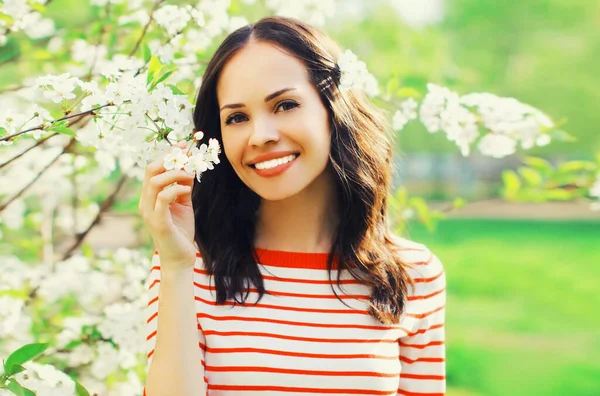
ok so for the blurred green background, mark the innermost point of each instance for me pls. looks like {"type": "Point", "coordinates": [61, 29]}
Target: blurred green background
{"type": "Point", "coordinates": [523, 295]}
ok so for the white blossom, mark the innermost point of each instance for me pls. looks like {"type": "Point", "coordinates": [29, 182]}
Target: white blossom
{"type": "Point", "coordinates": [354, 74]}
{"type": "Point", "coordinates": [176, 159]}
{"type": "Point", "coordinates": [172, 18]}
{"type": "Point", "coordinates": [407, 112]}
{"type": "Point", "coordinates": [10, 312]}
{"type": "Point", "coordinates": [58, 88]}
{"type": "Point", "coordinates": [496, 145]}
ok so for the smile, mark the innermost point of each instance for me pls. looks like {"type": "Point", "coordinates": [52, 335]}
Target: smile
{"type": "Point", "coordinates": [274, 167]}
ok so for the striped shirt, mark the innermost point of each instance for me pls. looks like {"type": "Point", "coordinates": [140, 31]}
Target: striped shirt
{"type": "Point", "coordinates": [300, 339]}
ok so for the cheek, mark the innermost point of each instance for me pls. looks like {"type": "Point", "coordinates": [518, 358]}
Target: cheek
{"type": "Point", "coordinates": [232, 150]}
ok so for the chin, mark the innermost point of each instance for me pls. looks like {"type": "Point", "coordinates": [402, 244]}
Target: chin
{"type": "Point", "coordinates": [277, 193]}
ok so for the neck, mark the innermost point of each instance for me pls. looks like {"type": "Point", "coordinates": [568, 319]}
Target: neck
{"type": "Point", "coordinates": [305, 222]}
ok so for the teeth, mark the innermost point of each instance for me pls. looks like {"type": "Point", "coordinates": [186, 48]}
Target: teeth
{"type": "Point", "coordinates": [275, 162]}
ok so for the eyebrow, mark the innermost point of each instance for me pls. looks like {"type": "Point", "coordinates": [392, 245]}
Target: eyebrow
{"type": "Point", "coordinates": [267, 99]}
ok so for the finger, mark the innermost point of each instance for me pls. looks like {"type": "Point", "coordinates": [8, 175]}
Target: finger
{"type": "Point", "coordinates": [152, 169]}
{"type": "Point", "coordinates": [157, 166]}
{"type": "Point", "coordinates": [159, 182]}
{"type": "Point", "coordinates": [168, 195]}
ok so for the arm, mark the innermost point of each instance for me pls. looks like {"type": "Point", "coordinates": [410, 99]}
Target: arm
{"type": "Point", "coordinates": [422, 352]}
{"type": "Point", "coordinates": [175, 356]}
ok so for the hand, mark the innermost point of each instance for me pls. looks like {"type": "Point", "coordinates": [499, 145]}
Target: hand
{"type": "Point", "coordinates": [168, 213]}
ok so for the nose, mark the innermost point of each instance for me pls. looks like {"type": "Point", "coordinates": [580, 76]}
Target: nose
{"type": "Point", "coordinates": [263, 132]}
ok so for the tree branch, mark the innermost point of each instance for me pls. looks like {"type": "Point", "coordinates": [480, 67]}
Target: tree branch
{"type": "Point", "coordinates": [38, 143]}
{"type": "Point", "coordinates": [17, 195]}
{"type": "Point", "coordinates": [41, 126]}
{"type": "Point", "coordinates": [150, 19]}
{"type": "Point", "coordinates": [107, 204]}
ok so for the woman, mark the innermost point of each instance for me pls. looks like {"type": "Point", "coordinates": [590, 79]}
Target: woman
{"type": "Point", "coordinates": [284, 277]}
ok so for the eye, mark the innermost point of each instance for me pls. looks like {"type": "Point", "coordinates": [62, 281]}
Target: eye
{"type": "Point", "coordinates": [290, 104]}
{"type": "Point", "coordinates": [234, 118]}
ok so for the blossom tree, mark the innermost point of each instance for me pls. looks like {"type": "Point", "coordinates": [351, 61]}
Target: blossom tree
{"type": "Point", "coordinates": [92, 118]}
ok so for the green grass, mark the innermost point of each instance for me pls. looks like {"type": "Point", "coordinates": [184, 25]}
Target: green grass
{"type": "Point", "coordinates": [523, 301]}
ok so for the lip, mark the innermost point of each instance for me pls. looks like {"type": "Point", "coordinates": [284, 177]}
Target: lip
{"type": "Point", "coordinates": [274, 171]}
{"type": "Point", "coordinates": [270, 156]}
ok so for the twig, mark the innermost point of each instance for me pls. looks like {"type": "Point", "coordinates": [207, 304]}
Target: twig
{"type": "Point", "coordinates": [41, 126]}
{"type": "Point", "coordinates": [105, 206]}
{"type": "Point", "coordinates": [38, 143]}
{"type": "Point", "coordinates": [17, 195]}
{"type": "Point", "coordinates": [150, 19]}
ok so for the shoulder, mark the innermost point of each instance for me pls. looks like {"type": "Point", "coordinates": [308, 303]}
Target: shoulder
{"type": "Point", "coordinates": [422, 264]}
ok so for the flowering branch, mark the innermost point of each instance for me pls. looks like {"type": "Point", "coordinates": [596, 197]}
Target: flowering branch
{"type": "Point", "coordinates": [150, 19]}
{"type": "Point", "coordinates": [38, 143]}
{"type": "Point", "coordinates": [105, 206]}
{"type": "Point", "coordinates": [44, 126]}
{"type": "Point", "coordinates": [66, 149]}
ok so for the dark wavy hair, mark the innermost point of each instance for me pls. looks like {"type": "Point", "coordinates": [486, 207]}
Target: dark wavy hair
{"type": "Point", "coordinates": [225, 209]}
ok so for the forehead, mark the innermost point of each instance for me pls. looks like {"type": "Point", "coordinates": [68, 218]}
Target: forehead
{"type": "Point", "coordinates": [259, 69]}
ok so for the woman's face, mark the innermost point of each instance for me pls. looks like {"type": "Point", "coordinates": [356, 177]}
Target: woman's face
{"type": "Point", "coordinates": [269, 107]}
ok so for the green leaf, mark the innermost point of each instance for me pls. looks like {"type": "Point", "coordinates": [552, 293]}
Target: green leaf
{"type": "Point", "coordinates": [531, 176]}
{"type": "Point", "coordinates": [24, 354]}
{"type": "Point", "coordinates": [3, 131]}
{"type": "Point", "coordinates": [150, 78]}
{"type": "Point", "coordinates": [37, 6]}
{"type": "Point", "coordinates": [15, 369]}
{"type": "Point", "coordinates": [63, 130]}
{"type": "Point", "coordinates": [512, 183]}
{"type": "Point", "coordinates": [15, 387]}
{"type": "Point", "coordinates": [576, 166]}
{"type": "Point", "coordinates": [563, 136]}
{"type": "Point", "coordinates": [147, 52]}
{"type": "Point", "coordinates": [155, 65]}
{"type": "Point", "coordinates": [558, 194]}
{"type": "Point", "coordinates": [175, 90]}
{"type": "Point", "coordinates": [408, 92]}
{"type": "Point", "coordinates": [8, 19]}
{"type": "Point", "coordinates": [163, 77]}
{"type": "Point", "coordinates": [538, 163]}
{"type": "Point", "coordinates": [80, 390]}
{"type": "Point", "coordinates": [392, 85]}
{"type": "Point", "coordinates": [459, 202]}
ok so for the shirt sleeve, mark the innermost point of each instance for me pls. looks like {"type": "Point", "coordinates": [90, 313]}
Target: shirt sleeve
{"type": "Point", "coordinates": [153, 285]}
{"type": "Point", "coordinates": [422, 351]}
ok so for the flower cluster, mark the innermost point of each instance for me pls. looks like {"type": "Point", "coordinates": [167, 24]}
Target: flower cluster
{"type": "Point", "coordinates": [356, 75]}
{"type": "Point", "coordinates": [201, 159]}
{"type": "Point", "coordinates": [101, 304]}
{"type": "Point", "coordinates": [506, 121]}
{"type": "Point", "coordinates": [24, 17]}
{"type": "Point", "coordinates": [407, 112]}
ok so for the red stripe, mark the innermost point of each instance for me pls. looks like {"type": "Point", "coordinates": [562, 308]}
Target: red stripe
{"type": "Point", "coordinates": [426, 296]}
{"type": "Point", "coordinates": [153, 301]}
{"type": "Point", "coordinates": [407, 393]}
{"type": "Point", "coordinates": [427, 280]}
{"type": "Point", "coordinates": [423, 262]}
{"type": "Point", "coordinates": [423, 376]}
{"type": "Point", "coordinates": [283, 308]}
{"type": "Point", "coordinates": [421, 331]}
{"type": "Point", "coordinates": [151, 335]}
{"type": "Point", "coordinates": [243, 369]}
{"type": "Point", "coordinates": [299, 354]}
{"type": "Point", "coordinates": [422, 346]}
{"type": "Point", "coordinates": [295, 280]}
{"type": "Point", "coordinates": [154, 315]}
{"type": "Point", "coordinates": [298, 389]}
{"type": "Point", "coordinates": [425, 314]}
{"type": "Point", "coordinates": [422, 359]}
{"type": "Point", "coordinates": [154, 283]}
{"type": "Point", "coordinates": [307, 324]}
{"type": "Point", "coordinates": [300, 295]}
{"type": "Point", "coordinates": [293, 338]}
